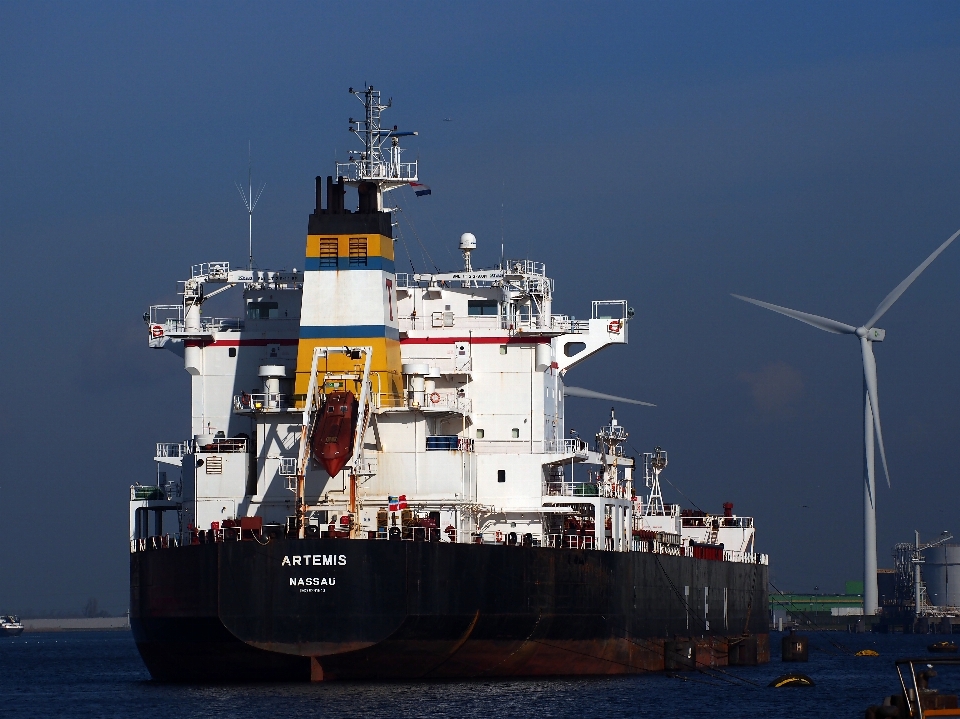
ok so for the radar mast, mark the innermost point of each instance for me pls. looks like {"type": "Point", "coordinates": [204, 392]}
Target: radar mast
{"type": "Point", "coordinates": [375, 169]}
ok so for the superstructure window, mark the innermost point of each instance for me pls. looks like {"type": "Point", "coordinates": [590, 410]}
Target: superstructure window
{"type": "Point", "coordinates": [483, 307]}
{"type": "Point", "coordinates": [501, 475]}
{"type": "Point", "coordinates": [328, 252]}
{"type": "Point", "coordinates": [358, 251]}
{"type": "Point", "coordinates": [479, 433]}
{"type": "Point", "coordinates": [263, 310]}
{"type": "Point", "coordinates": [574, 348]}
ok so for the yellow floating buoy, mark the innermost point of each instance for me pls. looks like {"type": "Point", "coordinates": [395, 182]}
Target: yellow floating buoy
{"type": "Point", "coordinates": [867, 653]}
{"type": "Point", "coordinates": [791, 680]}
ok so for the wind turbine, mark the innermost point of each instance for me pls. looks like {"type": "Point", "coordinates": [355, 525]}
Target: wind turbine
{"type": "Point", "coordinates": [867, 333]}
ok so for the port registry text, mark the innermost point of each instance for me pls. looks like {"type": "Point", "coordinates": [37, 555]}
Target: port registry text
{"type": "Point", "coordinates": [315, 560]}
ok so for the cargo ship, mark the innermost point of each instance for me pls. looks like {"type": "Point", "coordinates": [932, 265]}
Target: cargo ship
{"type": "Point", "coordinates": [379, 482]}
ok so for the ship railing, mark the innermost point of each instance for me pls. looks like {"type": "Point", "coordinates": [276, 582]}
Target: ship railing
{"type": "Point", "coordinates": [745, 557]}
{"type": "Point", "coordinates": [431, 400]}
{"type": "Point", "coordinates": [449, 400]}
{"type": "Point", "coordinates": [654, 546]}
{"type": "Point", "coordinates": [524, 267]}
{"type": "Point", "coordinates": [644, 509]}
{"type": "Point", "coordinates": [212, 270]}
{"type": "Point", "coordinates": [382, 400]}
{"type": "Point", "coordinates": [172, 540]}
{"type": "Point", "coordinates": [172, 449]}
{"type": "Point", "coordinates": [568, 541]}
{"type": "Point", "coordinates": [569, 325]}
{"type": "Point", "coordinates": [736, 522]}
{"type": "Point", "coordinates": [366, 169]}
{"type": "Point", "coordinates": [173, 325]}
{"type": "Point", "coordinates": [222, 445]}
{"type": "Point", "coordinates": [448, 320]}
{"type": "Point", "coordinates": [261, 402]}
{"type": "Point", "coordinates": [585, 489]}
{"type": "Point", "coordinates": [139, 492]}
{"type": "Point", "coordinates": [708, 520]}
{"type": "Point", "coordinates": [565, 446]}
{"type": "Point", "coordinates": [525, 446]}
{"type": "Point", "coordinates": [449, 442]}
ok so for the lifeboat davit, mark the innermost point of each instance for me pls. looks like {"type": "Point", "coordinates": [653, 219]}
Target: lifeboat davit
{"type": "Point", "coordinates": [332, 441]}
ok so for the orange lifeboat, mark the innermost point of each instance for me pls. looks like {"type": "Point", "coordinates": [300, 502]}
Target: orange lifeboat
{"type": "Point", "coordinates": [332, 441]}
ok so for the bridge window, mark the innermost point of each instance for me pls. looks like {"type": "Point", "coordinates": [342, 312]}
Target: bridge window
{"type": "Point", "coordinates": [483, 307]}
{"type": "Point", "coordinates": [501, 475]}
{"type": "Point", "coordinates": [263, 310]}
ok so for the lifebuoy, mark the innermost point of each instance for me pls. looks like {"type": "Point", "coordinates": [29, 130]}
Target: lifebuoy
{"type": "Point", "coordinates": [435, 397]}
{"type": "Point", "coordinates": [156, 331]}
{"type": "Point", "coordinates": [615, 326]}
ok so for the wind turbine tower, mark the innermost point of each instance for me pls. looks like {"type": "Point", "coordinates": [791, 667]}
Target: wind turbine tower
{"type": "Point", "coordinates": [867, 334]}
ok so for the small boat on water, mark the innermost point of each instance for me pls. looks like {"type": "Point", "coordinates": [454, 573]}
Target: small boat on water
{"type": "Point", "coordinates": [917, 699]}
{"type": "Point", "coordinates": [942, 648]}
{"type": "Point", "coordinates": [10, 626]}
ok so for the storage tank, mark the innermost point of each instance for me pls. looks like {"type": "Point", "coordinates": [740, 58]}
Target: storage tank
{"type": "Point", "coordinates": [941, 574]}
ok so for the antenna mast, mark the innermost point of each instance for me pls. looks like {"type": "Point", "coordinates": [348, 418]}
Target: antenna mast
{"type": "Point", "coordinates": [377, 169]}
{"type": "Point", "coordinates": [249, 201]}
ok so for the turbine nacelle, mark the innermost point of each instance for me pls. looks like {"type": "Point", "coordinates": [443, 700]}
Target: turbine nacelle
{"type": "Point", "coordinates": [873, 334]}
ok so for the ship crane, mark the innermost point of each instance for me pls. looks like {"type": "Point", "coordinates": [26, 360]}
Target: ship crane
{"type": "Point", "coordinates": [917, 559]}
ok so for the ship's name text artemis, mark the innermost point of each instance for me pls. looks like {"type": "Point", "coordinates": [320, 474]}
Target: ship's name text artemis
{"type": "Point", "coordinates": [316, 560]}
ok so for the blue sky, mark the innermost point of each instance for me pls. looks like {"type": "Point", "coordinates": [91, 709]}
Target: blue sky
{"type": "Point", "coordinates": [669, 153]}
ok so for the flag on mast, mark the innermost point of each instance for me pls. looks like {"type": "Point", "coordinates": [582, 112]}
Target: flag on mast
{"type": "Point", "coordinates": [420, 189]}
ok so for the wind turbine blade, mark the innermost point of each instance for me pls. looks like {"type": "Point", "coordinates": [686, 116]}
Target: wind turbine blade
{"type": "Point", "coordinates": [821, 323]}
{"type": "Point", "coordinates": [590, 394]}
{"type": "Point", "coordinates": [902, 287]}
{"type": "Point", "coordinates": [870, 376]}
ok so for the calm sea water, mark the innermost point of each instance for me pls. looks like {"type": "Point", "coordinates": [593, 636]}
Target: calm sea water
{"type": "Point", "coordinates": [99, 674]}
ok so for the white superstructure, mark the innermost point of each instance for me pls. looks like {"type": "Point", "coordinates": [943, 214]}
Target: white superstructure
{"type": "Point", "coordinates": [460, 378]}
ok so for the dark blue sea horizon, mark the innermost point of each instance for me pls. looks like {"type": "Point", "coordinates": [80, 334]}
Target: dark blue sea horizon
{"type": "Point", "coordinates": [100, 674]}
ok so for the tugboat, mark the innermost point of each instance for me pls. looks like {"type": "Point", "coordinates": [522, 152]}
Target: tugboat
{"type": "Point", "coordinates": [10, 626]}
{"type": "Point", "coordinates": [917, 699]}
{"type": "Point", "coordinates": [380, 482]}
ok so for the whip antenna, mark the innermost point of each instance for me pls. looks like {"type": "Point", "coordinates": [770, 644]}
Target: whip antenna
{"type": "Point", "coordinates": [249, 201]}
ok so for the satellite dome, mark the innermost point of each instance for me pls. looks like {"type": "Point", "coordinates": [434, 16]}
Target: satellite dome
{"type": "Point", "coordinates": [468, 241]}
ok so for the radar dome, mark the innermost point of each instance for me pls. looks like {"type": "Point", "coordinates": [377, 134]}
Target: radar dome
{"type": "Point", "coordinates": [468, 241]}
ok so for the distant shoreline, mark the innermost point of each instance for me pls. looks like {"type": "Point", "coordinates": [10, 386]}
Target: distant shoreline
{"type": "Point", "coordinates": [82, 624]}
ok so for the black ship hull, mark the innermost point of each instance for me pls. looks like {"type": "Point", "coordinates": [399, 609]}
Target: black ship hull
{"type": "Point", "coordinates": [328, 609]}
